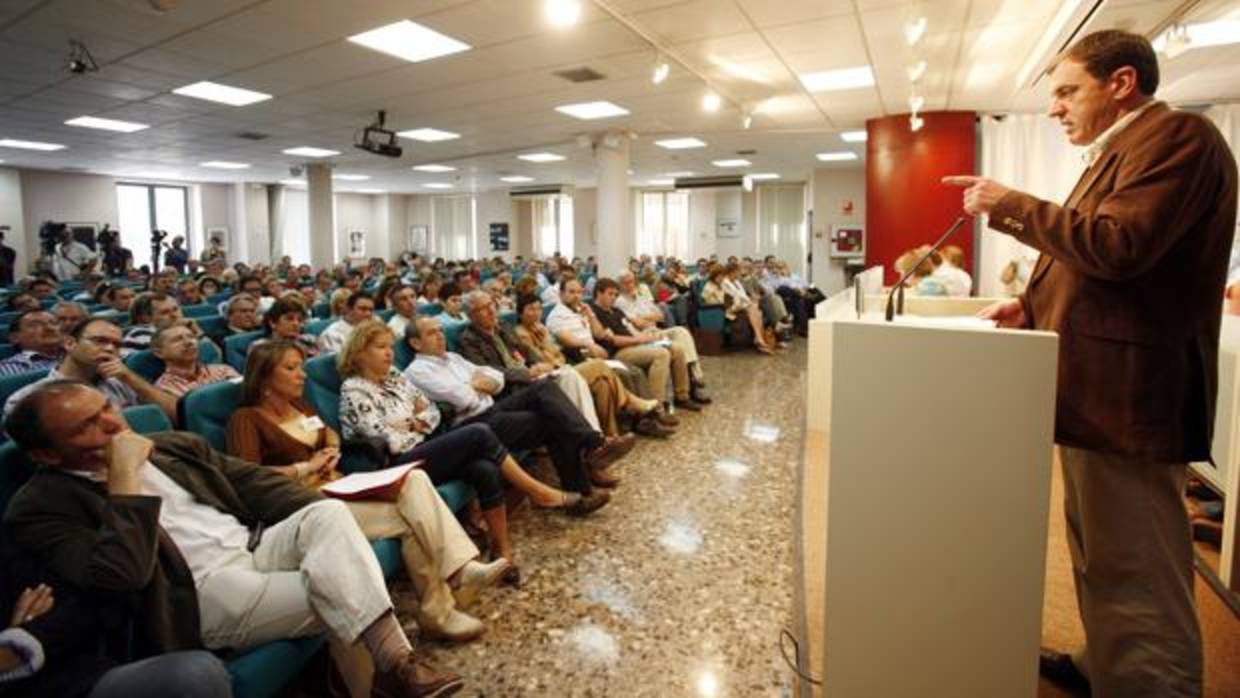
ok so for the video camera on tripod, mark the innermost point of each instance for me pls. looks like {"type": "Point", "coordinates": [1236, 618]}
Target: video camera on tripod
{"type": "Point", "coordinates": [157, 245]}
{"type": "Point", "coordinates": [50, 234]}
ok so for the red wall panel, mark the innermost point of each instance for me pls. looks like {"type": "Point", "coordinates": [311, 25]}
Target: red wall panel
{"type": "Point", "coordinates": [905, 204]}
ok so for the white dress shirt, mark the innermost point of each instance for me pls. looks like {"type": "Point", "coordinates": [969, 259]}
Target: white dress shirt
{"type": "Point", "coordinates": [335, 336]}
{"type": "Point", "coordinates": [397, 324]}
{"type": "Point", "coordinates": [208, 538]}
{"type": "Point", "coordinates": [70, 259]}
{"type": "Point", "coordinates": [550, 295]}
{"type": "Point", "coordinates": [565, 319]}
{"type": "Point", "coordinates": [448, 379]}
{"type": "Point", "coordinates": [640, 305]}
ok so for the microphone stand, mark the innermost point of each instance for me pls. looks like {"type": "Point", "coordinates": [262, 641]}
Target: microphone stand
{"type": "Point", "coordinates": [899, 287]}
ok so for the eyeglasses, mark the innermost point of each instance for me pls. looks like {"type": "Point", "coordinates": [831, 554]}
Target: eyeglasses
{"type": "Point", "coordinates": [104, 342]}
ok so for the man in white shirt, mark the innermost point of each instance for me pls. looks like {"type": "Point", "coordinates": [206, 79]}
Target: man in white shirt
{"type": "Point", "coordinates": [404, 300]}
{"type": "Point", "coordinates": [637, 304]}
{"type": "Point", "coordinates": [538, 416]}
{"type": "Point", "coordinates": [217, 552]}
{"type": "Point", "coordinates": [358, 309]}
{"type": "Point", "coordinates": [72, 258]}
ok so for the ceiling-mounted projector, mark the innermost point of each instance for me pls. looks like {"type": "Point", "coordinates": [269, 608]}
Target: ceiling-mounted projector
{"type": "Point", "coordinates": [378, 140]}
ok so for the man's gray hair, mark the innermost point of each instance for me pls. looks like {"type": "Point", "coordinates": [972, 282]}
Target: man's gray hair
{"type": "Point", "coordinates": [70, 304]}
{"type": "Point", "coordinates": [475, 298]}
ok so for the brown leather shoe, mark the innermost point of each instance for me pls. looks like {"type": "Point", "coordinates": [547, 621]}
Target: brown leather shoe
{"type": "Point", "coordinates": [588, 504]}
{"type": "Point", "coordinates": [1058, 668]}
{"type": "Point", "coordinates": [666, 419]}
{"type": "Point", "coordinates": [613, 449]}
{"type": "Point", "coordinates": [604, 478]}
{"type": "Point", "coordinates": [413, 678]}
{"type": "Point", "coordinates": [689, 404]}
{"type": "Point", "coordinates": [650, 426]}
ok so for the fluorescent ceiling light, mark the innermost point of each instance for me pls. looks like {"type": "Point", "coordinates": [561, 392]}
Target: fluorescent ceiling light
{"type": "Point", "coordinates": [739, 162]}
{"type": "Point", "coordinates": [224, 94]}
{"type": "Point", "coordinates": [434, 168]}
{"type": "Point", "coordinates": [853, 136]}
{"type": "Point", "coordinates": [592, 110]}
{"type": "Point", "coordinates": [29, 145]}
{"type": "Point", "coordinates": [516, 179]}
{"type": "Point", "coordinates": [428, 135]}
{"type": "Point", "coordinates": [371, 191]}
{"type": "Point", "coordinates": [351, 177]}
{"type": "Point", "coordinates": [762, 177]}
{"type": "Point", "coordinates": [563, 13]}
{"type": "Point", "coordinates": [541, 157]}
{"type": "Point", "coordinates": [437, 185]}
{"type": "Point", "coordinates": [661, 182]}
{"type": "Point", "coordinates": [842, 79]}
{"type": "Point", "coordinates": [409, 41]}
{"type": "Point", "coordinates": [674, 175]}
{"type": "Point", "coordinates": [225, 165]}
{"type": "Point", "coordinates": [1191, 36]}
{"type": "Point", "coordinates": [837, 157]}
{"type": "Point", "coordinates": [680, 143]}
{"type": "Point", "coordinates": [310, 152]}
{"type": "Point", "coordinates": [106, 124]}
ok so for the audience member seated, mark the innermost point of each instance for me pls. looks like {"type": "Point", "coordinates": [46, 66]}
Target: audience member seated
{"type": "Point", "coordinates": [431, 284]}
{"type": "Point", "coordinates": [284, 321]}
{"type": "Point", "coordinates": [39, 342]}
{"type": "Point", "coordinates": [539, 416]}
{"type": "Point", "coordinates": [720, 290]}
{"type": "Point", "coordinates": [956, 281]}
{"type": "Point", "coordinates": [648, 350]}
{"type": "Point", "coordinates": [89, 287]}
{"type": "Point", "coordinates": [42, 289]}
{"type": "Point", "coordinates": [404, 300]}
{"type": "Point", "coordinates": [216, 552]}
{"type": "Point", "coordinates": [495, 288]}
{"type": "Point", "coordinates": [638, 305]}
{"type": "Point", "coordinates": [68, 314]}
{"type": "Point", "coordinates": [774, 313]}
{"type": "Point", "coordinates": [119, 298]}
{"type": "Point", "coordinates": [242, 313]}
{"type": "Point", "coordinates": [22, 302]}
{"type": "Point", "coordinates": [150, 312]}
{"type": "Point", "coordinates": [208, 286]}
{"type": "Point", "coordinates": [92, 355]}
{"type": "Point", "coordinates": [534, 342]}
{"type": "Point", "coordinates": [487, 343]}
{"type": "Point", "coordinates": [277, 428]}
{"type": "Point", "coordinates": [450, 300]}
{"type": "Point", "coordinates": [177, 346]}
{"type": "Point", "coordinates": [358, 309]}
{"type": "Point", "coordinates": [51, 647]}
{"type": "Point", "coordinates": [188, 293]}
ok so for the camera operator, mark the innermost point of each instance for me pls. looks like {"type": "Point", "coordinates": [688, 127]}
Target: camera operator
{"type": "Point", "coordinates": [117, 260]}
{"type": "Point", "coordinates": [177, 257]}
{"type": "Point", "coordinates": [70, 258]}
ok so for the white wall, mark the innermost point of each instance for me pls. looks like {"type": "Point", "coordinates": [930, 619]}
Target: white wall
{"type": "Point", "coordinates": [258, 224]}
{"type": "Point", "coordinates": [830, 189]}
{"type": "Point", "coordinates": [704, 213]}
{"type": "Point", "coordinates": [11, 215]}
{"type": "Point", "coordinates": [64, 198]}
{"type": "Point", "coordinates": [356, 212]}
{"type": "Point", "coordinates": [585, 222]}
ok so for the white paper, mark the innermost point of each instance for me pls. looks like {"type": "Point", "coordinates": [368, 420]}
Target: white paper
{"type": "Point", "coordinates": [661, 342]}
{"type": "Point", "coordinates": [617, 365]}
{"type": "Point", "coordinates": [375, 479]}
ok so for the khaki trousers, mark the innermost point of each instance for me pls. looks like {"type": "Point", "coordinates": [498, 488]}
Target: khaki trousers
{"type": "Point", "coordinates": [578, 392]}
{"type": "Point", "coordinates": [433, 544]}
{"type": "Point", "coordinates": [658, 362]}
{"type": "Point", "coordinates": [609, 393]}
{"type": "Point", "coordinates": [1132, 561]}
{"type": "Point", "coordinates": [683, 340]}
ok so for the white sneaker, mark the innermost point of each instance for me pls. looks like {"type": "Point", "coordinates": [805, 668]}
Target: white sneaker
{"type": "Point", "coordinates": [475, 576]}
{"type": "Point", "coordinates": [457, 627]}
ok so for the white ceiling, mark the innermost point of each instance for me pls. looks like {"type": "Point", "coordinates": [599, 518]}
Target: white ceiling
{"type": "Point", "coordinates": [501, 94]}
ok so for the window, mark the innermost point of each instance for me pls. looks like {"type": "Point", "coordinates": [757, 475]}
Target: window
{"type": "Point", "coordinates": [663, 227]}
{"type": "Point", "coordinates": [146, 207]}
{"type": "Point", "coordinates": [781, 224]}
{"type": "Point", "coordinates": [553, 226]}
{"type": "Point", "coordinates": [452, 227]}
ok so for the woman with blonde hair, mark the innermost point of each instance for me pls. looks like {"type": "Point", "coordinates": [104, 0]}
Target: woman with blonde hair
{"type": "Point", "coordinates": [274, 426]}
{"type": "Point", "coordinates": [722, 289]}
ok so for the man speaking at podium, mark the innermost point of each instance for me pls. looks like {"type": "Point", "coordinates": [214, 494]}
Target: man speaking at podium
{"type": "Point", "coordinates": [1131, 278]}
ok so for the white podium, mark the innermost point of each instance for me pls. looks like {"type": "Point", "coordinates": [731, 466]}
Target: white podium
{"type": "Point", "coordinates": [927, 465]}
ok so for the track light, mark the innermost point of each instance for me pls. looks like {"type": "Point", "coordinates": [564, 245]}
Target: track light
{"type": "Point", "coordinates": [661, 70]}
{"type": "Point", "coordinates": [914, 29]}
{"type": "Point", "coordinates": [917, 71]}
{"type": "Point", "coordinates": [711, 102]}
{"type": "Point", "coordinates": [915, 123]}
{"type": "Point", "coordinates": [746, 120]}
{"type": "Point", "coordinates": [80, 61]}
{"type": "Point", "coordinates": [916, 102]}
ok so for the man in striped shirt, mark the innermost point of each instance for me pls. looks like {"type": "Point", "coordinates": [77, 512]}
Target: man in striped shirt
{"type": "Point", "coordinates": [39, 342]}
{"type": "Point", "coordinates": [177, 345]}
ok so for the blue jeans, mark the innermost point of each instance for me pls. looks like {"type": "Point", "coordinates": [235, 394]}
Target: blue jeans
{"type": "Point", "coordinates": [196, 674]}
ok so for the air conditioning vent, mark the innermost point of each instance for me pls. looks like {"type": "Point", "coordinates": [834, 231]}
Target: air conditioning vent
{"type": "Point", "coordinates": [540, 190]}
{"type": "Point", "coordinates": [580, 75]}
{"type": "Point", "coordinates": [748, 151]}
{"type": "Point", "coordinates": [720, 182]}
{"type": "Point", "coordinates": [253, 135]}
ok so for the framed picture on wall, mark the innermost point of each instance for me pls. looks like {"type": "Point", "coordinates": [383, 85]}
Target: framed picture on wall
{"type": "Point", "coordinates": [357, 244]}
{"type": "Point", "coordinates": [727, 228]}
{"type": "Point", "coordinates": [84, 233]}
{"type": "Point", "coordinates": [418, 237]}
{"type": "Point", "coordinates": [220, 233]}
{"type": "Point", "coordinates": [847, 241]}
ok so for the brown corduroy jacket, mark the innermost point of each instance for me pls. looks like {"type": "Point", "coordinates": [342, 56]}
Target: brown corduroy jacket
{"type": "Point", "coordinates": [1131, 277]}
{"type": "Point", "coordinates": [114, 546]}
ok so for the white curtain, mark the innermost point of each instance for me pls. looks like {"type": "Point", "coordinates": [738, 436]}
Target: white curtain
{"type": "Point", "coordinates": [663, 224]}
{"type": "Point", "coordinates": [781, 224]}
{"type": "Point", "coordinates": [553, 226]}
{"type": "Point", "coordinates": [452, 227]}
{"type": "Point", "coordinates": [1028, 152]}
{"type": "Point", "coordinates": [295, 213]}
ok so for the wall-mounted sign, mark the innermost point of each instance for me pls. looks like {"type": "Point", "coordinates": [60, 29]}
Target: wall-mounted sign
{"type": "Point", "coordinates": [727, 228]}
{"type": "Point", "coordinates": [499, 237]}
{"type": "Point", "coordinates": [847, 241]}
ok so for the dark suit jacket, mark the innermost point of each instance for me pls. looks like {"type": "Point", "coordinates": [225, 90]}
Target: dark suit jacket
{"type": "Point", "coordinates": [1131, 277]}
{"type": "Point", "coordinates": [114, 546]}
{"type": "Point", "coordinates": [478, 348]}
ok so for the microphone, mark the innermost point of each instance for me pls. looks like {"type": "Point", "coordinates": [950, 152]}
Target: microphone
{"type": "Point", "coordinates": [899, 287]}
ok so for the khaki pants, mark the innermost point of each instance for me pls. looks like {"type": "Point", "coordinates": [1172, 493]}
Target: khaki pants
{"type": "Point", "coordinates": [578, 392]}
{"type": "Point", "coordinates": [683, 340]}
{"type": "Point", "coordinates": [433, 544]}
{"type": "Point", "coordinates": [609, 393]}
{"type": "Point", "coordinates": [658, 362]}
{"type": "Point", "coordinates": [1132, 560]}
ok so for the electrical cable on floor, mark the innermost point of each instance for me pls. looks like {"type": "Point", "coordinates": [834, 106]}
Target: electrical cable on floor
{"type": "Point", "coordinates": [795, 666]}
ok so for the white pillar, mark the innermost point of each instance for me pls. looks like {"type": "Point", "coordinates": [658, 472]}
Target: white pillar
{"type": "Point", "coordinates": [275, 217]}
{"type": "Point", "coordinates": [321, 205]}
{"type": "Point", "coordinates": [615, 203]}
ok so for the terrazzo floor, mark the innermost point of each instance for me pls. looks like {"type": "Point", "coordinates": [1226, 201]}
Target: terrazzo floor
{"type": "Point", "coordinates": [681, 585]}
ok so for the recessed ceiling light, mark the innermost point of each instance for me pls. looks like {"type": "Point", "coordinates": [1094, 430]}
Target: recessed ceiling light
{"type": "Point", "coordinates": [437, 185]}
{"type": "Point", "coordinates": [516, 179]}
{"type": "Point", "coordinates": [351, 177]}
{"type": "Point", "coordinates": [711, 102]}
{"type": "Point", "coordinates": [106, 124]}
{"type": "Point", "coordinates": [224, 94]}
{"type": "Point", "coordinates": [762, 177]}
{"type": "Point", "coordinates": [541, 157]}
{"type": "Point", "coordinates": [660, 72]}
{"type": "Point", "coordinates": [731, 163]}
{"type": "Point", "coordinates": [434, 168]}
{"type": "Point", "coordinates": [225, 165]}
{"type": "Point", "coordinates": [428, 135]}
{"type": "Point", "coordinates": [29, 145]}
{"type": "Point", "coordinates": [837, 157]}
{"type": "Point", "coordinates": [310, 152]}
{"type": "Point", "coordinates": [409, 41]}
{"type": "Point", "coordinates": [661, 182]}
{"type": "Point", "coordinates": [680, 143]}
{"type": "Point", "coordinates": [842, 79]}
{"type": "Point", "coordinates": [593, 110]}
{"type": "Point", "coordinates": [853, 136]}
{"type": "Point", "coordinates": [674, 175]}
{"type": "Point", "coordinates": [563, 13]}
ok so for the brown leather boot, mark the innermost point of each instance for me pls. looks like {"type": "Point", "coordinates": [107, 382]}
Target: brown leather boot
{"type": "Point", "coordinates": [414, 678]}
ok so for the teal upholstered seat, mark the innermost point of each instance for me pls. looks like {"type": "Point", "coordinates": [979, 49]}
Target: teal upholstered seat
{"type": "Point", "coordinates": [236, 347]}
{"type": "Point", "coordinates": [146, 364]}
